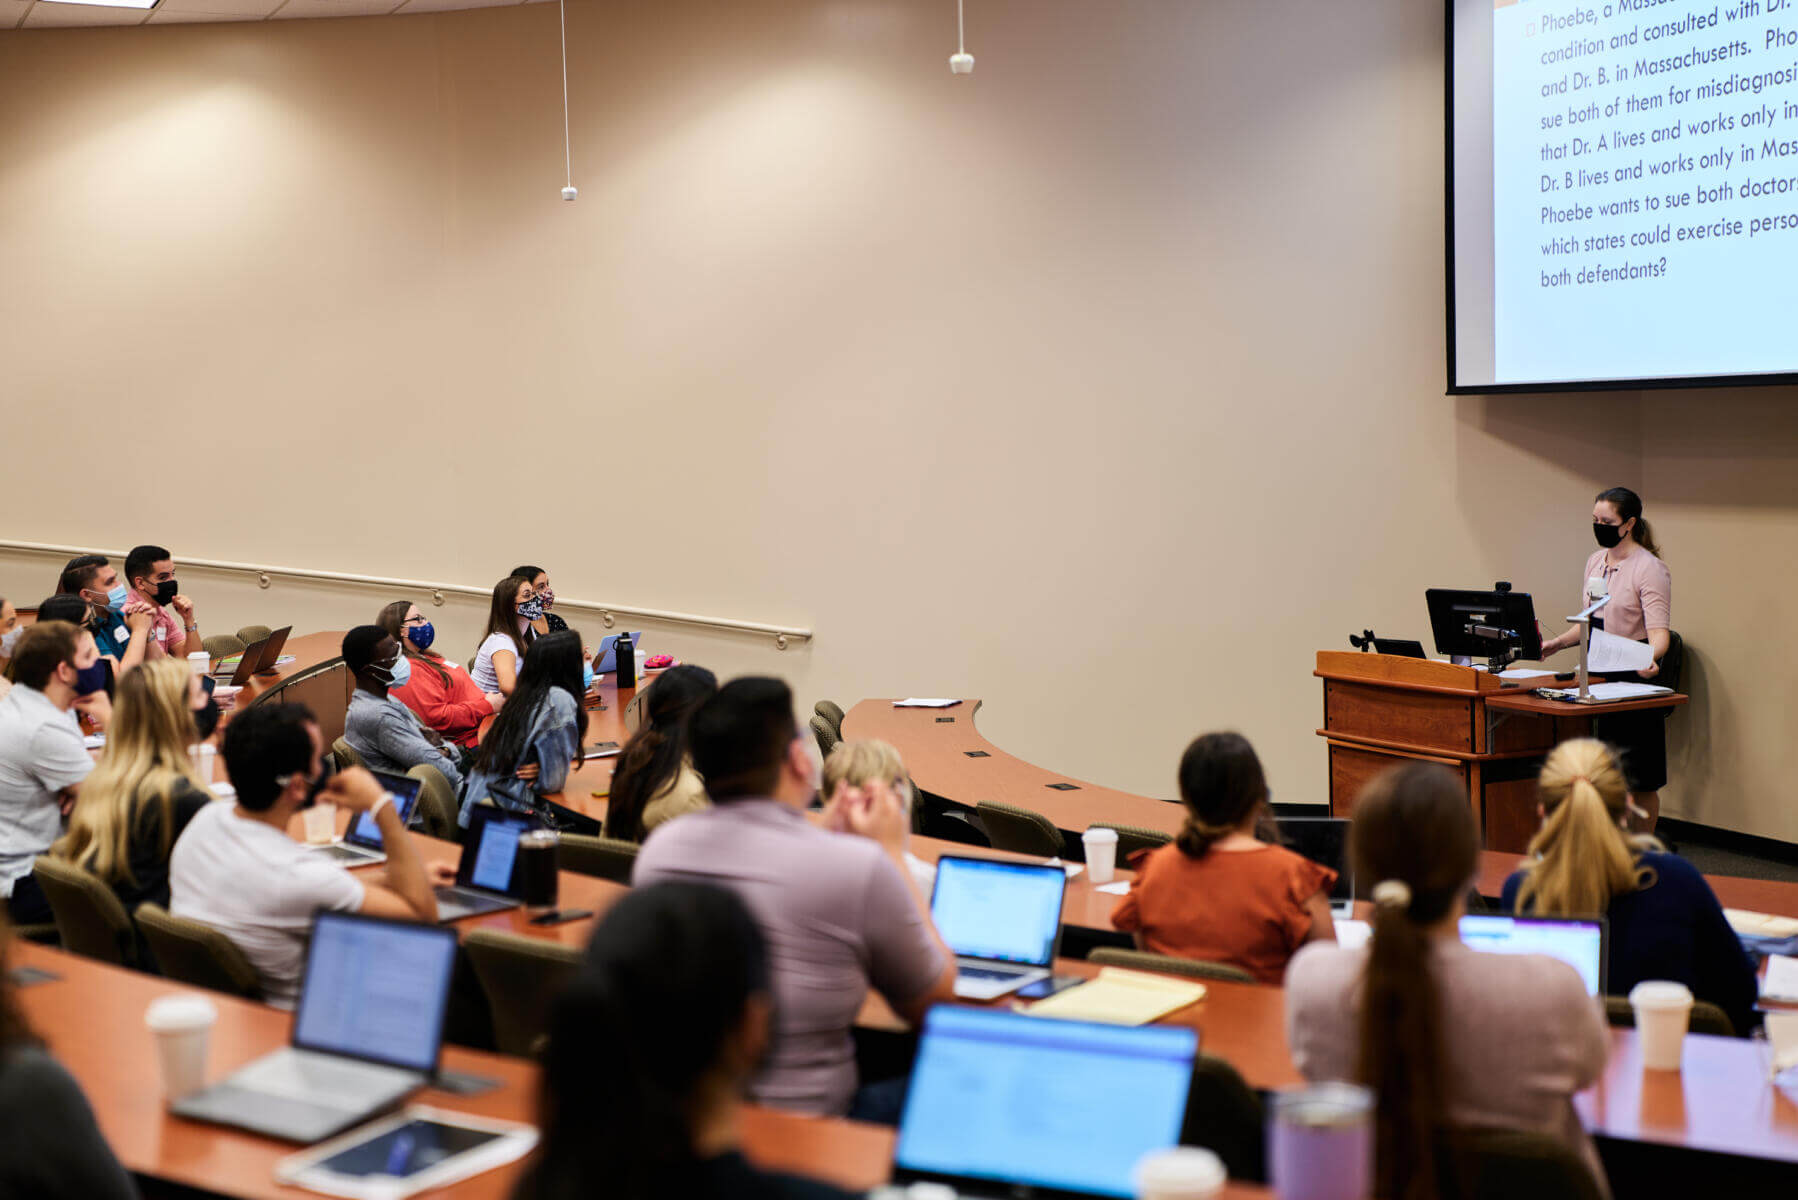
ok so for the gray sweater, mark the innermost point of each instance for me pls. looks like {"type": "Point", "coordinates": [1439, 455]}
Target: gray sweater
{"type": "Point", "coordinates": [389, 738]}
{"type": "Point", "coordinates": [50, 1147]}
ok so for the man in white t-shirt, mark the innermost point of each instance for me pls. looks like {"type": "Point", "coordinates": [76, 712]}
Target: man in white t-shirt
{"type": "Point", "coordinates": [236, 869]}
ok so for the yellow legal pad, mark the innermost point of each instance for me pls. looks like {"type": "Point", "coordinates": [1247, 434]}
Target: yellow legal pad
{"type": "Point", "coordinates": [1120, 997]}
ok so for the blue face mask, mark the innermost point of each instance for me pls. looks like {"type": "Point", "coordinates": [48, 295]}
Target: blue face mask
{"type": "Point", "coordinates": [421, 635]}
{"type": "Point", "coordinates": [586, 677]}
{"type": "Point", "coordinates": [89, 680]}
{"type": "Point", "coordinates": [399, 672]}
{"type": "Point", "coordinates": [115, 599]}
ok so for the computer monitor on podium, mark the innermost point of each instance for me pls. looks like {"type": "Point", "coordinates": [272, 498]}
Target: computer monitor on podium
{"type": "Point", "coordinates": [1499, 625]}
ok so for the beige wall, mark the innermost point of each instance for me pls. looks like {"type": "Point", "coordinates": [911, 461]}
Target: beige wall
{"type": "Point", "coordinates": [1105, 384]}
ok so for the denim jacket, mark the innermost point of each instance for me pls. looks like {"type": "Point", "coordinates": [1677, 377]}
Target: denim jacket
{"type": "Point", "coordinates": [552, 742]}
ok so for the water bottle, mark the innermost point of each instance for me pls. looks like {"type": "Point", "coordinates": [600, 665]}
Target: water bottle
{"type": "Point", "coordinates": [627, 661]}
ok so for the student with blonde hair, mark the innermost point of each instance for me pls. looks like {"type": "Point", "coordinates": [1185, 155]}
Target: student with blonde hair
{"type": "Point", "coordinates": [1665, 921]}
{"type": "Point", "coordinates": [144, 790]}
{"type": "Point", "coordinates": [851, 772]}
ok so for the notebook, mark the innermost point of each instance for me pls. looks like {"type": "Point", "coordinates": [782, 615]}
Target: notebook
{"type": "Point", "coordinates": [366, 1033]}
{"type": "Point", "coordinates": [1003, 1106]}
{"type": "Point", "coordinates": [1002, 920]}
{"type": "Point", "coordinates": [361, 844]}
{"type": "Point", "coordinates": [1117, 996]}
{"type": "Point", "coordinates": [487, 876]}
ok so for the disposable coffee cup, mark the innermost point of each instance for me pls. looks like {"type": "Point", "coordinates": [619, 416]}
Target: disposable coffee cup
{"type": "Point", "coordinates": [1101, 853]}
{"type": "Point", "coordinates": [1320, 1143]}
{"type": "Point", "coordinates": [1663, 1010]}
{"type": "Point", "coordinates": [319, 823]}
{"type": "Point", "coordinates": [1183, 1173]}
{"type": "Point", "coordinates": [199, 662]}
{"type": "Point", "coordinates": [205, 761]}
{"type": "Point", "coordinates": [182, 1025]}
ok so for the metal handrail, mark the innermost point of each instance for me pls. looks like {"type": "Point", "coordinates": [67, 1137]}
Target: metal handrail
{"type": "Point", "coordinates": [783, 634]}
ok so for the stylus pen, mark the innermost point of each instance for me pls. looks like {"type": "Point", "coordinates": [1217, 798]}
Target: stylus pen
{"type": "Point", "coordinates": [400, 1156]}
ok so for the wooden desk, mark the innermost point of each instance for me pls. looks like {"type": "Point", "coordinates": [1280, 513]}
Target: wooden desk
{"type": "Point", "coordinates": [92, 1018]}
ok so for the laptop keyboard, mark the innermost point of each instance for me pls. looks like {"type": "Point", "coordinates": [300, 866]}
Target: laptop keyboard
{"type": "Point", "coordinates": [300, 1077]}
{"type": "Point", "coordinates": [987, 973]}
{"type": "Point", "coordinates": [269, 1111]}
{"type": "Point", "coordinates": [345, 854]}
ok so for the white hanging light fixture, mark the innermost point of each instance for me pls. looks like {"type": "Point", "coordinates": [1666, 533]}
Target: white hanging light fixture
{"type": "Point", "coordinates": [569, 191]}
{"type": "Point", "coordinates": [961, 62]}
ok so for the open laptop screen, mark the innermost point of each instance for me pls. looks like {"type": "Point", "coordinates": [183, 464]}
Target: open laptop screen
{"type": "Point", "coordinates": [375, 990]}
{"type": "Point", "coordinates": [1323, 840]}
{"type": "Point", "coordinates": [490, 856]}
{"type": "Point", "coordinates": [1580, 943]}
{"type": "Point", "coordinates": [364, 831]}
{"type": "Point", "coordinates": [1061, 1106]}
{"type": "Point", "coordinates": [1007, 911]}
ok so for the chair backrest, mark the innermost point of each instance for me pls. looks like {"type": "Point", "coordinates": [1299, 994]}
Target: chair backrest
{"type": "Point", "coordinates": [828, 738]}
{"type": "Point", "coordinates": [437, 808]}
{"type": "Point", "coordinates": [1167, 964]}
{"type": "Point", "coordinates": [1132, 838]}
{"type": "Point", "coordinates": [89, 918]}
{"type": "Point", "coordinates": [1706, 1017]}
{"type": "Point", "coordinates": [1018, 830]}
{"type": "Point", "coordinates": [249, 635]}
{"type": "Point", "coordinates": [521, 976]}
{"type": "Point", "coordinates": [602, 857]}
{"type": "Point", "coordinates": [221, 645]}
{"type": "Point", "coordinates": [1224, 1115]}
{"type": "Point", "coordinates": [831, 711]}
{"type": "Point", "coordinates": [1502, 1164]}
{"type": "Point", "coordinates": [346, 755]}
{"type": "Point", "coordinates": [196, 953]}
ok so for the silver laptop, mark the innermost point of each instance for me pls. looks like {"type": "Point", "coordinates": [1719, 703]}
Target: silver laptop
{"type": "Point", "coordinates": [1006, 1105]}
{"type": "Point", "coordinates": [361, 843]}
{"type": "Point", "coordinates": [1001, 919]}
{"type": "Point", "coordinates": [606, 657]}
{"type": "Point", "coordinates": [366, 1033]}
{"type": "Point", "coordinates": [487, 877]}
{"type": "Point", "coordinates": [1324, 840]}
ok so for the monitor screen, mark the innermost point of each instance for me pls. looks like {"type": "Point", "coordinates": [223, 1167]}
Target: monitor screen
{"type": "Point", "coordinates": [998, 910]}
{"type": "Point", "coordinates": [375, 989]}
{"type": "Point", "coordinates": [1577, 943]}
{"type": "Point", "coordinates": [495, 851]}
{"type": "Point", "coordinates": [1323, 840]}
{"type": "Point", "coordinates": [1053, 1104]}
{"type": "Point", "coordinates": [364, 830]}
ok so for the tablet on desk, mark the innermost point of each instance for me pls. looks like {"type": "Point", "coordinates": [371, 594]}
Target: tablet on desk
{"type": "Point", "coordinates": [410, 1152]}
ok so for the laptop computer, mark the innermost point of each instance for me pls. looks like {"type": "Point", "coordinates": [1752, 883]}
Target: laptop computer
{"type": "Point", "coordinates": [361, 843]}
{"type": "Point", "coordinates": [1324, 840]}
{"type": "Point", "coordinates": [606, 657]}
{"type": "Point", "coordinates": [1002, 920]}
{"type": "Point", "coordinates": [247, 663]}
{"type": "Point", "coordinates": [487, 877]}
{"type": "Point", "coordinates": [366, 1033]}
{"type": "Point", "coordinates": [1005, 1105]}
{"type": "Point", "coordinates": [1583, 942]}
{"type": "Point", "coordinates": [271, 651]}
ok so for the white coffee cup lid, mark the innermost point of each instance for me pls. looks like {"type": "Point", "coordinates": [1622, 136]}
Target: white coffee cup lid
{"type": "Point", "coordinates": [1099, 833]}
{"type": "Point", "coordinates": [1660, 993]}
{"type": "Point", "coordinates": [180, 1013]}
{"type": "Point", "coordinates": [1182, 1170]}
{"type": "Point", "coordinates": [199, 654]}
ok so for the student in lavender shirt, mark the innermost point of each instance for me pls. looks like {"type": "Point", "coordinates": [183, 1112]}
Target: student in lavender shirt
{"type": "Point", "coordinates": [1445, 1036]}
{"type": "Point", "coordinates": [838, 910]}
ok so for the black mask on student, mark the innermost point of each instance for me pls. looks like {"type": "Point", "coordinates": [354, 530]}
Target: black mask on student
{"type": "Point", "coordinates": [327, 768]}
{"type": "Point", "coordinates": [1607, 535]}
{"type": "Point", "coordinates": [166, 591]}
{"type": "Point", "coordinates": [207, 719]}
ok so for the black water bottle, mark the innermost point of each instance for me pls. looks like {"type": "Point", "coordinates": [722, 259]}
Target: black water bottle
{"type": "Point", "coordinates": [627, 661]}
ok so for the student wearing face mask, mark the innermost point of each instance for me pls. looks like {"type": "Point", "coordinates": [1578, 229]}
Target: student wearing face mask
{"type": "Point", "coordinates": [237, 869]}
{"type": "Point", "coordinates": [380, 728]}
{"type": "Point", "coordinates": [10, 631]}
{"type": "Point", "coordinates": [546, 621]}
{"type": "Point", "coordinates": [123, 637]}
{"type": "Point", "coordinates": [150, 573]}
{"type": "Point", "coordinates": [442, 694]}
{"type": "Point", "coordinates": [1627, 567]}
{"type": "Point", "coordinates": [43, 761]}
{"type": "Point", "coordinates": [537, 737]}
{"type": "Point", "coordinates": [145, 790]}
{"type": "Point", "coordinates": [507, 636]}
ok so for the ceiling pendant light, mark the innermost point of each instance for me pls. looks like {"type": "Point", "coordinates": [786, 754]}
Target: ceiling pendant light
{"type": "Point", "coordinates": [569, 191]}
{"type": "Point", "coordinates": [961, 62]}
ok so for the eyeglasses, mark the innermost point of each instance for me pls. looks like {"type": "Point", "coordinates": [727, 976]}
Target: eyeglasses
{"type": "Point", "coordinates": [414, 621]}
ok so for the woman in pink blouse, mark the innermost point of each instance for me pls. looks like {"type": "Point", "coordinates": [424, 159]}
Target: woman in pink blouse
{"type": "Point", "coordinates": [1628, 568]}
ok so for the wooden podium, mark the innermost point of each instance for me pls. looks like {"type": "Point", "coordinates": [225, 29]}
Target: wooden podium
{"type": "Point", "coordinates": [1382, 709]}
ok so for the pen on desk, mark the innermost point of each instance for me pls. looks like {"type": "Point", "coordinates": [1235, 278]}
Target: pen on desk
{"type": "Point", "coordinates": [400, 1157]}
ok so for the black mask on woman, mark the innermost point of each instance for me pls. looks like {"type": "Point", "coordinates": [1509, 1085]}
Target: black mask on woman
{"type": "Point", "coordinates": [207, 719]}
{"type": "Point", "coordinates": [1607, 535]}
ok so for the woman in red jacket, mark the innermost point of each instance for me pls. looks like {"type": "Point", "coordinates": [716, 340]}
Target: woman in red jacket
{"type": "Point", "coordinates": [439, 691]}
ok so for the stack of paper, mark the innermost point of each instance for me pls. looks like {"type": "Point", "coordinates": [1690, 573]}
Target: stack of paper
{"type": "Point", "coordinates": [1120, 997]}
{"type": "Point", "coordinates": [1758, 924]}
{"type": "Point", "coordinates": [1780, 983]}
{"type": "Point", "coordinates": [915, 702]}
{"type": "Point", "coordinates": [1610, 653]}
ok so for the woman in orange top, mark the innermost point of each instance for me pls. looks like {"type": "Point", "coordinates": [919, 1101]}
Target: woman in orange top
{"type": "Point", "coordinates": [1217, 892]}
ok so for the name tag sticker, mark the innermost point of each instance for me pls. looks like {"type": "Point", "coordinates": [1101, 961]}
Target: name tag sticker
{"type": "Point", "coordinates": [121, 634]}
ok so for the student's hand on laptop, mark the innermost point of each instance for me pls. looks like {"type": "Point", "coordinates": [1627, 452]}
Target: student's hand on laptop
{"type": "Point", "coordinates": [442, 874]}
{"type": "Point", "coordinates": [354, 788]}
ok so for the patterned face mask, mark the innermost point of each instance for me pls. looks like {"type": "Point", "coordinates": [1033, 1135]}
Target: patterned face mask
{"type": "Point", "coordinates": [548, 598]}
{"type": "Point", "coordinates": [531, 609]}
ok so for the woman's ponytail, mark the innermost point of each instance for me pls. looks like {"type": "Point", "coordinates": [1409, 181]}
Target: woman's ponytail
{"type": "Point", "coordinates": [1581, 857]}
